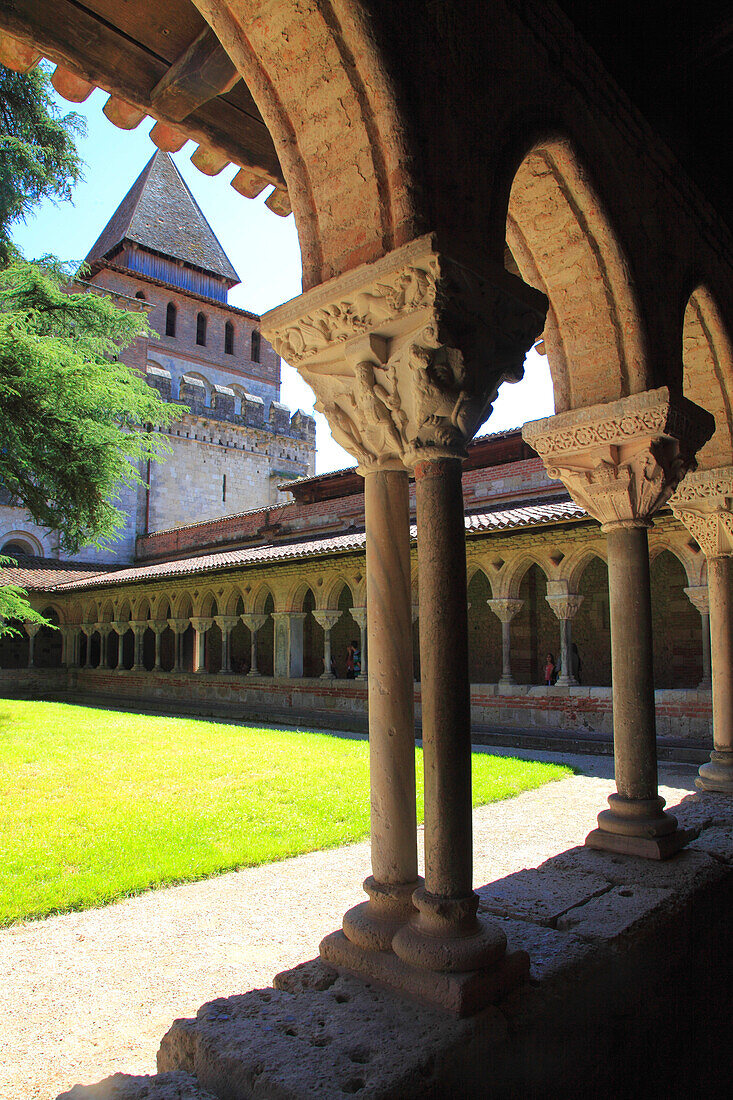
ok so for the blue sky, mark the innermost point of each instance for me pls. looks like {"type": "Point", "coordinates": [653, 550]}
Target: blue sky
{"type": "Point", "coordinates": [263, 248]}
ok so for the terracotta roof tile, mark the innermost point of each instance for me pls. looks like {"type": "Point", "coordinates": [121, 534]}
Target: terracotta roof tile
{"type": "Point", "coordinates": [47, 574]}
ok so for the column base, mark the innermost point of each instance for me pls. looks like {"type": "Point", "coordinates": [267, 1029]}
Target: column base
{"type": "Point", "coordinates": [327, 676]}
{"type": "Point", "coordinates": [462, 994]}
{"type": "Point", "coordinates": [638, 827]}
{"type": "Point", "coordinates": [372, 924]}
{"type": "Point", "coordinates": [254, 672]}
{"type": "Point", "coordinates": [717, 774]}
{"type": "Point", "coordinates": [507, 681]}
{"type": "Point", "coordinates": [566, 682]}
{"type": "Point", "coordinates": [446, 935]}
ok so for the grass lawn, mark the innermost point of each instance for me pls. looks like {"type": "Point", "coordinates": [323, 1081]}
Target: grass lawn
{"type": "Point", "coordinates": [96, 805]}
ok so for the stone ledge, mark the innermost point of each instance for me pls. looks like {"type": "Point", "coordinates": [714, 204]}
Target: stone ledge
{"type": "Point", "coordinates": [121, 1086]}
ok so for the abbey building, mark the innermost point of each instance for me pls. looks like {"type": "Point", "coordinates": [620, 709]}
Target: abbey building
{"type": "Point", "coordinates": [239, 442]}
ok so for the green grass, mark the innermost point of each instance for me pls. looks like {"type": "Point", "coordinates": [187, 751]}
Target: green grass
{"type": "Point", "coordinates": [96, 805]}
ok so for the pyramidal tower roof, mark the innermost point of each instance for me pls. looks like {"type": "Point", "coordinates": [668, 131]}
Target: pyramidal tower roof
{"type": "Point", "coordinates": [159, 213]}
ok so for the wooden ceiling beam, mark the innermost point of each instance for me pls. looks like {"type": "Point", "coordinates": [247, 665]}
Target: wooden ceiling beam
{"type": "Point", "coordinates": [202, 72]}
{"type": "Point", "coordinates": [91, 50]}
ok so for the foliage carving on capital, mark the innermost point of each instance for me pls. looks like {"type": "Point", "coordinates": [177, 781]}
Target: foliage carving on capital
{"type": "Point", "coordinates": [505, 609]}
{"type": "Point", "coordinates": [704, 504]}
{"type": "Point", "coordinates": [622, 461]}
{"type": "Point", "coordinates": [406, 355]}
{"type": "Point", "coordinates": [566, 606]}
{"type": "Point", "coordinates": [699, 597]}
{"type": "Point", "coordinates": [327, 619]}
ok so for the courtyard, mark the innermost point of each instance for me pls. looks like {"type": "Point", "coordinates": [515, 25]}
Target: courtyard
{"type": "Point", "coordinates": [87, 994]}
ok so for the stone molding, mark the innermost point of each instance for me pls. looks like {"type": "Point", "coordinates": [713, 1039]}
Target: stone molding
{"type": "Point", "coordinates": [704, 504]}
{"type": "Point", "coordinates": [622, 461]}
{"type": "Point", "coordinates": [406, 354]}
{"type": "Point", "coordinates": [699, 597]}
{"type": "Point", "coordinates": [505, 609]}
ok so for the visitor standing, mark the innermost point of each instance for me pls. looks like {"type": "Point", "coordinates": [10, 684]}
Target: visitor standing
{"type": "Point", "coordinates": [550, 670]}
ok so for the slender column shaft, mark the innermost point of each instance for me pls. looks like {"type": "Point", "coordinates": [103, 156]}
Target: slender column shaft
{"type": "Point", "coordinates": [253, 670]}
{"type": "Point", "coordinates": [363, 647]}
{"type": "Point", "coordinates": [88, 657]}
{"type": "Point", "coordinates": [391, 692]}
{"type": "Point", "coordinates": [506, 653]}
{"type": "Point", "coordinates": [327, 674]}
{"type": "Point", "coordinates": [158, 637]}
{"type": "Point", "coordinates": [31, 649]}
{"type": "Point", "coordinates": [226, 658]}
{"type": "Point", "coordinates": [720, 587]}
{"type": "Point", "coordinates": [444, 674]}
{"type": "Point", "coordinates": [632, 663]}
{"type": "Point", "coordinates": [199, 650]}
{"type": "Point", "coordinates": [706, 662]}
{"type": "Point", "coordinates": [566, 677]}
{"type": "Point", "coordinates": [120, 654]}
{"type": "Point", "coordinates": [104, 649]}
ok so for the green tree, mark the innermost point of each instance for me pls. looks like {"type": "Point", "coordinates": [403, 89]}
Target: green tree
{"type": "Point", "coordinates": [38, 155]}
{"type": "Point", "coordinates": [76, 425]}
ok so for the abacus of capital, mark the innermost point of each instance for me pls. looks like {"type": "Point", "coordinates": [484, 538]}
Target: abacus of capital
{"type": "Point", "coordinates": [704, 503]}
{"type": "Point", "coordinates": [405, 356]}
{"type": "Point", "coordinates": [622, 461]}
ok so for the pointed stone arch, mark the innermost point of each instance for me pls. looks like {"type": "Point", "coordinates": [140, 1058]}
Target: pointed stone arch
{"type": "Point", "coordinates": [707, 371]}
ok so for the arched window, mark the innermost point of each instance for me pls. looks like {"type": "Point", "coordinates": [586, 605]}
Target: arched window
{"type": "Point", "coordinates": [170, 320]}
{"type": "Point", "coordinates": [17, 549]}
{"type": "Point", "coordinates": [139, 294]}
{"type": "Point", "coordinates": [229, 338]}
{"type": "Point", "coordinates": [201, 329]}
{"type": "Point", "coordinates": [255, 346]}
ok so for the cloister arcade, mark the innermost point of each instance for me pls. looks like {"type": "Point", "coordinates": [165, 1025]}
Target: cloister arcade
{"type": "Point", "coordinates": [467, 179]}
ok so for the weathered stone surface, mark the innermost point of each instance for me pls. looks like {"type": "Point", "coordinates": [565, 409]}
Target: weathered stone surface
{"type": "Point", "coordinates": [554, 956]}
{"type": "Point", "coordinates": [350, 1038]}
{"type": "Point", "coordinates": [717, 841]}
{"type": "Point", "coordinates": [704, 810]}
{"type": "Point", "coordinates": [122, 1086]}
{"type": "Point", "coordinates": [687, 871]}
{"type": "Point", "coordinates": [541, 894]}
{"type": "Point", "coordinates": [619, 911]}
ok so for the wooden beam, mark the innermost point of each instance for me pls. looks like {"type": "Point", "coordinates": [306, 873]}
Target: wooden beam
{"type": "Point", "coordinates": [86, 46]}
{"type": "Point", "coordinates": [202, 72]}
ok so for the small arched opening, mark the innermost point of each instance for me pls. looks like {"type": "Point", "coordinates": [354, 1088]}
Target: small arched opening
{"type": "Point", "coordinates": [201, 329]}
{"type": "Point", "coordinates": [171, 316]}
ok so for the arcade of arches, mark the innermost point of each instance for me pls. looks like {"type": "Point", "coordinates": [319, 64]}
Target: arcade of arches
{"type": "Point", "coordinates": [468, 179]}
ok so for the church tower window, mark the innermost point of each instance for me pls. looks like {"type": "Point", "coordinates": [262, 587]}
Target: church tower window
{"type": "Point", "coordinates": [170, 320]}
{"type": "Point", "coordinates": [201, 329]}
{"type": "Point", "coordinates": [255, 346]}
{"type": "Point", "coordinates": [229, 338]}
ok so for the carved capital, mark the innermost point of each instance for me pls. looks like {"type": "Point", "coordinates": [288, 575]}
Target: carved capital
{"type": "Point", "coordinates": [704, 504]}
{"type": "Point", "coordinates": [623, 460]}
{"type": "Point", "coordinates": [179, 626]}
{"type": "Point", "coordinates": [359, 615]}
{"type": "Point", "coordinates": [158, 626]}
{"type": "Point", "coordinates": [254, 622]}
{"type": "Point", "coordinates": [565, 606]}
{"type": "Point", "coordinates": [121, 626]}
{"type": "Point", "coordinates": [505, 609]}
{"type": "Point", "coordinates": [327, 619]}
{"type": "Point", "coordinates": [201, 623]}
{"type": "Point", "coordinates": [699, 597]}
{"type": "Point", "coordinates": [406, 354]}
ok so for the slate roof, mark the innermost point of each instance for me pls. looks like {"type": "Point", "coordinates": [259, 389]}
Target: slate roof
{"type": "Point", "coordinates": [530, 515]}
{"type": "Point", "coordinates": [160, 213]}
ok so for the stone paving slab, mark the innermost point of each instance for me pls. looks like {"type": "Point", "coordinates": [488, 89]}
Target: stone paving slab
{"type": "Point", "coordinates": [86, 995]}
{"type": "Point", "coordinates": [541, 894]}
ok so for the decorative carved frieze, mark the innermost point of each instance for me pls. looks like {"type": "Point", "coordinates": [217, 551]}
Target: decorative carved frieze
{"type": "Point", "coordinates": [704, 504]}
{"type": "Point", "coordinates": [406, 355]}
{"type": "Point", "coordinates": [623, 460]}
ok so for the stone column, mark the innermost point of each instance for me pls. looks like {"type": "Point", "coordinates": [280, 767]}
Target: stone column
{"type": "Point", "coordinates": [158, 627]}
{"type": "Point", "coordinates": [254, 623]}
{"type": "Point", "coordinates": [138, 629]}
{"type": "Point", "coordinates": [699, 598]}
{"type": "Point", "coordinates": [359, 615]}
{"type": "Point", "coordinates": [288, 656]}
{"type": "Point", "coordinates": [31, 630]}
{"type": "Point", "coordinates": [90, 630]}
{"type": "Point", "coordinates": [406, 356]}
{"type": "Point", "coordinates": [179, 628]}
{"type": "Point", "coordinates": [704, 503]}
{"type": "Point", "coordinates": [200, 626]}
{"type": "Point", "coordinates": [226, 624]}
{"type": "Point", "coordinates": [327, 620]}
{"type": "Point", "coordinates": [622, 462]}
{"type": "Point", "coordinates": [105, 629]}
{"type": "Point", "coordinates": [120, 628]}
{"type": "Point", "coordinates": [394, 878]}
{"type": "Point", "coordinates": [565, 606]}
{"type": "Point", "coordinates": [505, 610]}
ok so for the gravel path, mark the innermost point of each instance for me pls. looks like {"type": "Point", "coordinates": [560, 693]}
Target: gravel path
{"type": "Point", "coordinates": [88, 994]}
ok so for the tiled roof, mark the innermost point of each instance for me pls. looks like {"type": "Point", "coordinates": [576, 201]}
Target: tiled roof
{"type": "Point", "coordinates": [531, 515]}
{"type": "Point", "coordinates": [44, 574]}
{"type": "Point", "coordinates": [160, 213]}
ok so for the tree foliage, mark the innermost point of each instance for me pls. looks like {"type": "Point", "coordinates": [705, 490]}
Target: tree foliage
{"type": "Point", "coordinates": [75, 423]}
{"type": "Point", "coordinates": [38, 155]}
{"type": "Point", "coordinates": [14, 606]}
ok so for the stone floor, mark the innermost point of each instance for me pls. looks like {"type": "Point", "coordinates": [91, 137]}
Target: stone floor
{"type": "Point", "coordinates": [88, 994]}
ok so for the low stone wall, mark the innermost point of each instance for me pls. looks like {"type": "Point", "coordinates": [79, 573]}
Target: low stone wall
{"type": "Point", "coordinates": [681, 714]}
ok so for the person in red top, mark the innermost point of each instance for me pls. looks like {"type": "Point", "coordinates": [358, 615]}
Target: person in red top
{"type": "Point", "coordinates": [550, 671]}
